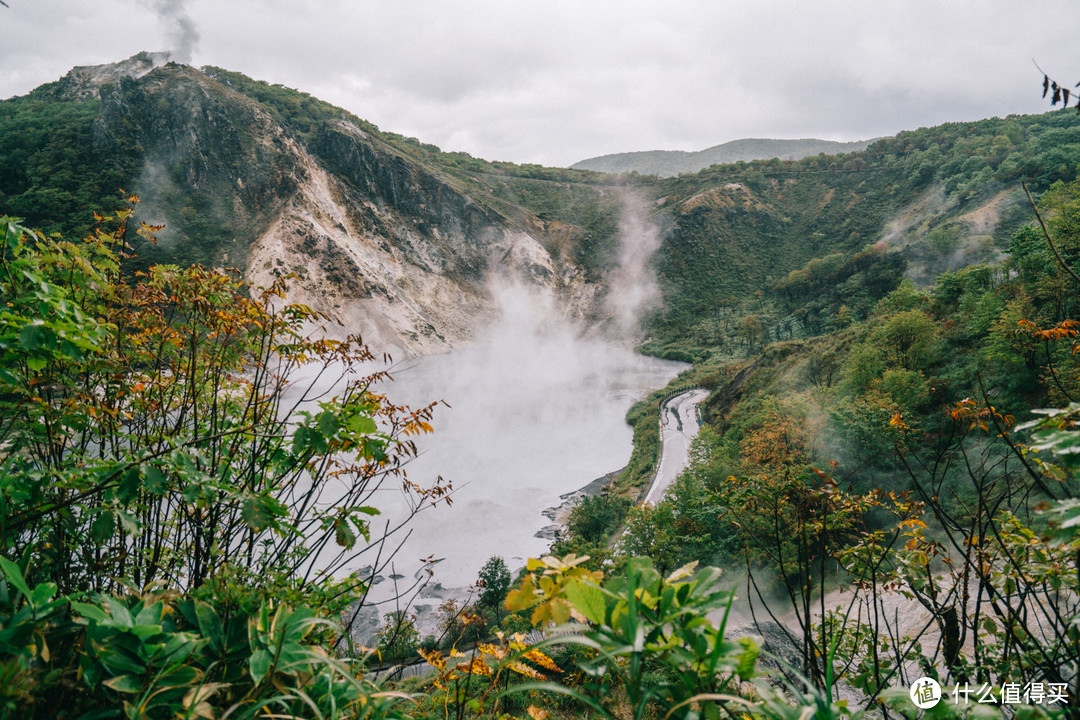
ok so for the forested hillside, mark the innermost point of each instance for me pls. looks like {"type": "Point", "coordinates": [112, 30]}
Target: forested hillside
{"type": "Point", "coordinates": [911, 443]}
{"type": "Point", "coordinates": [238, 173]}
{"type": "Point", "coordinates": [790, 244]}
{"type": "Point", "coordinates": [753, 240]}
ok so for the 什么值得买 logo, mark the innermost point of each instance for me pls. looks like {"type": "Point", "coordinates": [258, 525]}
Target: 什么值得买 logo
{"type": "Point", "coordinates": [925, 693]}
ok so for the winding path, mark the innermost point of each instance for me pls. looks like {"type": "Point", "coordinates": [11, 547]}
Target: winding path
{"type": "Point", "coordinates": [678, 426]}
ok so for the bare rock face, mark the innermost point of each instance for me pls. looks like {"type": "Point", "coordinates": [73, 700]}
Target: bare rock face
{"type": "Point", "coordinates": [86, 81]}
{"type": "Point", "coordinates": [393, 291]}
{"type": "Point", "coordinates": [387, 246]}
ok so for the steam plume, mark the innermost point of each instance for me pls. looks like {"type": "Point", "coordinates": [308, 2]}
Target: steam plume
{"type": "Point", "coordinates": [632, 286]}
{"type": "Point", "coordinates": [183, 35]}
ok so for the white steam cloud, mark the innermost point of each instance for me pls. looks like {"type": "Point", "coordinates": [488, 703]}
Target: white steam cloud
{"type": "Point", "coordinates": [632, 286]}
{"type": "Point", "coordinates": [537, 410]}
{"type": "Point", "coordinates": [183, 35]}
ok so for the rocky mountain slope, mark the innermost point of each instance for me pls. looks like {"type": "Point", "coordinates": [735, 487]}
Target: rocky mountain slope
{"type": "Point", "coordinates": [382, 243]}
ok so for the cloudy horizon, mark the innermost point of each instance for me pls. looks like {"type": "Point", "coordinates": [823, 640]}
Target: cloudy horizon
{"type": "Point", "coordinates": [556, 82]}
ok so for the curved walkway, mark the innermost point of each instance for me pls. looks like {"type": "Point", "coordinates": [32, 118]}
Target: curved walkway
{"type": "Point", "coordinates": [678, 427]}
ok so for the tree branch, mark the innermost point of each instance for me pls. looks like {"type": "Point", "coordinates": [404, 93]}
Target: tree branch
{"type": "Point", "coordinates": [1046, 234]}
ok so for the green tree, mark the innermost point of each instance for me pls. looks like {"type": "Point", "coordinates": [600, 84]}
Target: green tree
{"type": "Point", "coordinates": [595, 517]}
{"type": "Point", "coordinates": [908, 339]}
{"type": "Point", "coordinates": [494, 582]}
{"type": "Point", "coordinates": [752, 331]}
{"type": "Point", "coordinates": [652, 532]}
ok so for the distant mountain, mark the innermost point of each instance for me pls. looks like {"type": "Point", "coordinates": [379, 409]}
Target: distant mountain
{"type": "Point", "coordinates": [667, 163]}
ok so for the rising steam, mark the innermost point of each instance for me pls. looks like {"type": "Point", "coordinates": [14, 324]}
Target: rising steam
{"type": "Point", "coordinates": [632, 286]}
{"type": "Point", "coordinates": [181, 28]}
{"type": "Point", "coordinates": [536, 410]}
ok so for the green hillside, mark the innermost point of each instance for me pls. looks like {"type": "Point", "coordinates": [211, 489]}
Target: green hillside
{"type": "Point", "coordinates": [784, 241]}
{"type": "Point", "coordinates": [939, 197]}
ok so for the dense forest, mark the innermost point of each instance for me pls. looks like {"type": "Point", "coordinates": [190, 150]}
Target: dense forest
{"type": "Point", "coordinates": [891, 345]}
{"type": "Point", "coordinates": [913, 444]}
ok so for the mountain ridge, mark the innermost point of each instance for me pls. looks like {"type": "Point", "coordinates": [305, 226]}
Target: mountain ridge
{"type": "Point", "coordinates": [667, 163]}
{"type": "Point", "coordinates": [396, 239]}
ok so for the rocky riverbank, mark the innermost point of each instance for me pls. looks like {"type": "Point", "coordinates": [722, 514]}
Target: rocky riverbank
{"type": "Point", "coordinates": [560, 514]}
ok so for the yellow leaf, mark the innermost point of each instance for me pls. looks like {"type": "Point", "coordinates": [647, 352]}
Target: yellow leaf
{"type": "Point", "coordinates": [519, 599]}
{"type": "Point", "coordinates": [560, 611]}
{"type": "Point", "coordinates": [527, 671]}
{"type": "Point", "coordinates": [475, 667]}
{"type": "Point", "coordinates": [685, 571]}
{"type": "Point", "coordinates": [541, 615]}
{"type": "Point", "coordinates": [542, 660]}
{"type": "Point", "coordinates": [195, 701]}
{"type": "Point", "coordinates": [434, 658]}
{"type": "Point", "coordinates": [489, 649]}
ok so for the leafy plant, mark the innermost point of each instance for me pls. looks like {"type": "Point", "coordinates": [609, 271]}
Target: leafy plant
{"type": "Point", "coordinates": [633, 621]}
{"type": "Point", "coordinates": [148, 427]}
{"type": "Point", "coordinates": [174, 493]}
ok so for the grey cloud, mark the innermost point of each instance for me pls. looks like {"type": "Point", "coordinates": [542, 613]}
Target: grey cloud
{"type": "Point", "coordinates": [181, 29]}
{"type": "Point", "coordinates": [557, 81]}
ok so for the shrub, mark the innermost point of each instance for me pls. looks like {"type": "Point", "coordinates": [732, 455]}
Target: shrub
{"type": "Point", "coordinates": [594, 518]}
{"type": "Point", "coordinates": [155, 429]}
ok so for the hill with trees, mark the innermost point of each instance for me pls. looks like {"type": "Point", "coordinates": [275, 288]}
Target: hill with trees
{"type": "Point", "coordinates": [911, 443]}
{"type": "Point", "coordinates": [274, 181]}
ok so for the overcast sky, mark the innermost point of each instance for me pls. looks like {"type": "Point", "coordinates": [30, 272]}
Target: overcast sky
{"type": "Point", "coordinates": [556, 82]}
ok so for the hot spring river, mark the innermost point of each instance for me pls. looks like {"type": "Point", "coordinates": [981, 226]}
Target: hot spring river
{"type": "Point", "coordinates": [528, 422]}
{"type": "Point", "coordinates": [537, 411]}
